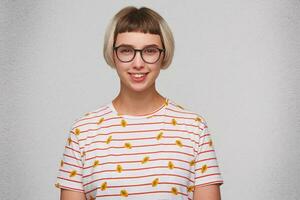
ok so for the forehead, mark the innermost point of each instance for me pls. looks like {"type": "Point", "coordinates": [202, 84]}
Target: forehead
{"type": "Point", "coordinates": [138, 39]}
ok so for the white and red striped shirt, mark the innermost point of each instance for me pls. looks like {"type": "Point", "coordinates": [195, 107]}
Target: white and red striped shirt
{"type": "Point", "coordinates": [158, 156]}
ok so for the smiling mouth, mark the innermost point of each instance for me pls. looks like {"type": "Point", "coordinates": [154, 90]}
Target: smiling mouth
{"type": "Point", "coordinates": [138, 77]}
{"type": "Point", "coordinates": [138, 74]}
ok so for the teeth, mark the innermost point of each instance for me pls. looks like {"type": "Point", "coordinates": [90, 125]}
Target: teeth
{"type": "Point", "coordinates": [138, 75]}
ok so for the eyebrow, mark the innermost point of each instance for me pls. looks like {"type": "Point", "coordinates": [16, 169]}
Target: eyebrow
{"type": "Point", "coordinates": [148, 45]}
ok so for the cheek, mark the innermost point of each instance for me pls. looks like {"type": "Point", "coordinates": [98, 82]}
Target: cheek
{"type": "Point", "coordinates": [160, 62]}
{"type": "Point", "coordinates": [121, 66]}
{"type": "Point", "coordinates": [155, 70]}
{"type": "Point", "coordinates": [116, 60]}
{"type": "Point", "coordinates": [158, 65]}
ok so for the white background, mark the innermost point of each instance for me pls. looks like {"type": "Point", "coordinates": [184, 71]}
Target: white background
{"type": "Point", "coordinates": [236, 63]}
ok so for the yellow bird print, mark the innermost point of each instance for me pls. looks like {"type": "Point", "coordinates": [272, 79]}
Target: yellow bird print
{"type": "Point", "coordinates": [155, 182]}
{"type": "Point", "coordinates": [108, 139]}
{"type": "Point", "coordinates": [77, 131]}
{"type": "Point", "coordinates": [104, 186]}
{"type": "Point", "coordinates": [191, 188]}
{"type": "Point", "coordinates": [127, 145]}
{"type": "Point", "coordinates": [73, 173]}
{"type": "Point", "coordinates": [100, 120]}
{"type": "Point", "coordinates": [83, 154]}
{"type": "Point", "coordinates": [145, 159]}
{"type": "Point", "coordinates": [192, 163]}
{"type": "Point", "coordinates": [179, 143]}
{"type": "Point", "coordinates": [174, 122]}
{"type": "Point", "coordinates": [61, 163]}
{"type": "Point", "coordinates": [166, 102]}
{"type": "Point", "coordinates": [119, 168]}
{"type": "Point", "coordinates": [198, 119]}
{"type": "Point", "coordinates": [170, 165]}
{"type": "Point", "coordinates": [124, 193]}
{"type": "Point", "coordinates": [210, 143]}
{"type": "Point", "coordinates": [159, 136]}
{"type": "Point", "coordinates": [174, 190]}
{"type": "Point", "coordinates": [203, 168]}
{"type": "Point", "coordinates": [123, 122]}
{"type": "Point", "coordinates": [96, 163]}
{"type": "Point", "coordinates": [69, 141]}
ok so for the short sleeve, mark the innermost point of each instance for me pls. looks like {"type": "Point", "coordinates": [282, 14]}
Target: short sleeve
{"type": "Point", "coordinates": [70, 167]}
{"type": "Point", "coordinates": [207, 170]}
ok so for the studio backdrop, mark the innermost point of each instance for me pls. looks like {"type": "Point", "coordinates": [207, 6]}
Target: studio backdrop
{"type": "Point", "coordinates": [236, 63]}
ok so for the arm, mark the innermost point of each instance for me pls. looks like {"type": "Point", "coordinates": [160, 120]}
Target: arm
{"type": "Point", "coordinates": [71, 195]}
{"type": "Point", "coordinates": [209, 192]}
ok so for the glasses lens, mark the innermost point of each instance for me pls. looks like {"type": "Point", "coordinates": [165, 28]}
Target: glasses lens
{"type": "Point", "coordinates": [151, 54]}
{"type": "Point", "coordinates": [125, 53]}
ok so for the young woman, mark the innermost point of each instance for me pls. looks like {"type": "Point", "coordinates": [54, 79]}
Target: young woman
{"type": "Point", "coordinates": [141, 145]}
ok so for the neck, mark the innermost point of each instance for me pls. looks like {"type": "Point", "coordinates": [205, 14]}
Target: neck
{"type": "Point", "coordinates": [130, 102]}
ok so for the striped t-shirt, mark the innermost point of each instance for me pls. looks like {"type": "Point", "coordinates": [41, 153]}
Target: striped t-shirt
{"type": "Point", "coordinates": [158, 156]}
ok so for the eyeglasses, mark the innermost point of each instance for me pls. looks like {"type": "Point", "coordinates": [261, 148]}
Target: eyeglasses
{"type": "Point", "coordinates": [149, 55]}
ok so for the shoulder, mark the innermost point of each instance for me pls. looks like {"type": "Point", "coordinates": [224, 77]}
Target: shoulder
{"type": "Point", "coordinates": [183, 111]}
{"type": "Point", "coordinates": [93, 116]}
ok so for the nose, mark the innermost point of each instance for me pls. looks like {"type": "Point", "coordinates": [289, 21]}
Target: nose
{"type": "Point", "coordinates": [138, 61]}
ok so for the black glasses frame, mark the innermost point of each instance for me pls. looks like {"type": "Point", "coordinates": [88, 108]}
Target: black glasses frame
{"type": "Point", "coordinates": [139, 50]}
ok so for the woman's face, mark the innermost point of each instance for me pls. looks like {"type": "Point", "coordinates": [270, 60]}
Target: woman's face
{"type": "Point", "coordinates": [126, 70]}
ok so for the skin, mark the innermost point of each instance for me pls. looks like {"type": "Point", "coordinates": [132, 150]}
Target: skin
{"type": "Point", "coordinates": [71, 195]}
{"type": "Point", "coordinates": [209, 192]}
{"type": "Point", "coordinates": [141, 98]}
{"type": "Point", "coordinates": [138, 98]}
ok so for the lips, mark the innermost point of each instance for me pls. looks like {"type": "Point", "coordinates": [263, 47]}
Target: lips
{"type": "Point", "coordinates": [138, 77]}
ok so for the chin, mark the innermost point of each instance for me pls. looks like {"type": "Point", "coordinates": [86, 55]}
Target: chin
{"type": "Point", "coordinates": [139, 89]}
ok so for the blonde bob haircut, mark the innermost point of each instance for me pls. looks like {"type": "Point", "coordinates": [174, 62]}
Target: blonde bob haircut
{"type": "Point", "coordinates": [132, 19]}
